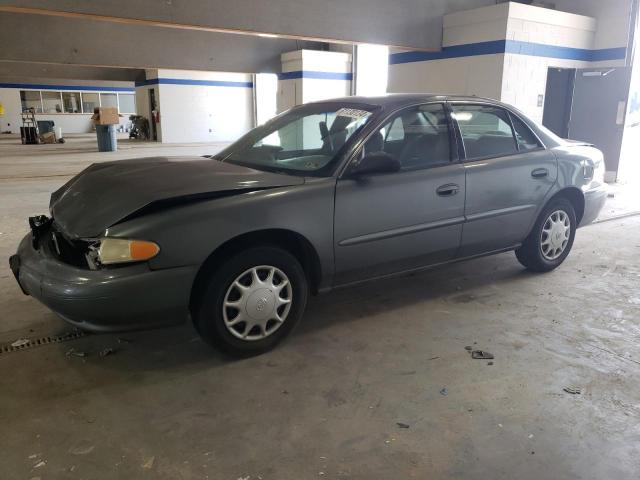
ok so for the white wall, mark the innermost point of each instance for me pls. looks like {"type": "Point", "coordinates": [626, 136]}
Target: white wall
{"type": "Point", "coordinates": [196, 112]}
{"type": "Point", "coordinates": [481, 76]}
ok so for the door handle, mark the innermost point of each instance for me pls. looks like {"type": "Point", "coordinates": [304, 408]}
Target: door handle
{"type": "Point", "coordinates": [539, 173]}
{"type": "Point", "coordinates": [448, 190]}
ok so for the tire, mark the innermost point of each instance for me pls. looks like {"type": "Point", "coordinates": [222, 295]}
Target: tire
{"type": "Point", "coordinates": [534, 254]}
{"type": "Point", "coordinates": [258, 300]}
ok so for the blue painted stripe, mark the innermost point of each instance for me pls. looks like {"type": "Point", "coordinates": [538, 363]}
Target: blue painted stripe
{"type": "Point", "coordinates": [82, 88]}
{"type": "Point", "coordinates": [316, 75]}
{"type": "Point", "coordinates": [186, 81]}
{"type": "Point", "coordinates": [510, 46]}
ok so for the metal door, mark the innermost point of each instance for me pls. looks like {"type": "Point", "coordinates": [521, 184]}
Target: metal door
{"type": "Point", "coordinates": [598, 111]}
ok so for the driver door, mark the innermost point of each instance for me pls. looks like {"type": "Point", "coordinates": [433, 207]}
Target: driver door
{"type": "Point", "coordinates": [393, 222]}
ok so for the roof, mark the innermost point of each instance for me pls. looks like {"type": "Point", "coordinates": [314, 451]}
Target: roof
{"type": "Point", "coordinates": [400, 99]}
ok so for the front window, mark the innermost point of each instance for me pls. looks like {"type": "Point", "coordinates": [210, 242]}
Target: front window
{"type": "Point", "coordinates": [304, 140]}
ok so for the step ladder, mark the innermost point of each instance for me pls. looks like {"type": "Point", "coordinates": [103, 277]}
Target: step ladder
{"type": "Point", "coordinates": [29, 131]}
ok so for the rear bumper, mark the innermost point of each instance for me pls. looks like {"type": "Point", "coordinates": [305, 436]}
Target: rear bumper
{"type": "Point", "coordinates": [594, 200]}
{"type": "Point", "coordinates": [116, 299]}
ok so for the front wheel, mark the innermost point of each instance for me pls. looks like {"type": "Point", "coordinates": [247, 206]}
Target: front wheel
{"type": "Point", "coordinates": [551, 239]}
{"type": "Point", "coordinates": [252, 302]}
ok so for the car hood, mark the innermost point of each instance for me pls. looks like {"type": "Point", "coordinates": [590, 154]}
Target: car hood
{"type": "Point", "coordinates": [106, 193]}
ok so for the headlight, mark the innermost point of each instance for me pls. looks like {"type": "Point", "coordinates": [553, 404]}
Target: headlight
{"type": "Point", "coordinates": [119, 250]}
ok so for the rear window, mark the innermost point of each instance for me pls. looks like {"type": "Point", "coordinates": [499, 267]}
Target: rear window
{"type": "Point", "coordinates": [486, 131]}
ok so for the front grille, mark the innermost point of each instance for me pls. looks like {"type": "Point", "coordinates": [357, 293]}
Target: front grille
{"type": "Point", "coordinates": [72, 252]}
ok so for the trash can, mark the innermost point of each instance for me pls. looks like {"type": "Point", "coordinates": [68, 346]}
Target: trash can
{"type": "Point", "coordinates": [45, 126]}
{"type": "Point", "coordinates": [107, 141]}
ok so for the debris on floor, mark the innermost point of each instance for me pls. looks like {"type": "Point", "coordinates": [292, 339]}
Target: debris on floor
{"type": "Point", "coordinates": [41, 463]}
{"type": "Point", "coordinates": [402, 425]}
{"type": "Point", "coordinates": [468, 348]}
{"type": "Point", "coordinates": [149, 463]}
{"type": "Point", "coordinates": [481, 355]}
{"type": "Point", "coordinates": [572, 390]}
{"type": "Point", "coordinates": [489, 363]}
{"type": "Point", "coordinates": [107, 351]}
{"type": "Point", "coordinates": [82, 448]}
{"type": "Point", "coordinates": [444, 392]}
{"type": "Point", "coordinates": [75, 353]}
{"type": "Point", "coordinates": [20, 342]}
{"type": "Point", "coordinates": [124, 340]}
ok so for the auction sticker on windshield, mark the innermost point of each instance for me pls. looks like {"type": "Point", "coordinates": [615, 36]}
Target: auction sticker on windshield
{"type": "Point", "coordinates": [352, 113]}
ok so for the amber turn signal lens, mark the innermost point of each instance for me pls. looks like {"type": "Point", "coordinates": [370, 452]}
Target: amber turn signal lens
{"type": "Point", "coordinates": [141, 250]}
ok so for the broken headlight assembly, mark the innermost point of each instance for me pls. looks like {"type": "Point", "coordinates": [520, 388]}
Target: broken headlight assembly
{"type": "Point", "coordinates": [112, 251]}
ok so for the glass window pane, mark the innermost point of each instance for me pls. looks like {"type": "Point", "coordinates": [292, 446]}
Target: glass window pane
{"type": "Point", "coordinates": [127, 103]}
{"type": "Point", "coordinates": [418, 137]}
{"type": "Point", "coordinates": [71, 102]}
{"type": "Point", "coordinates": [30, 99]}
{"type": "Point", "coordinates": [108, 100]}
{"type": "Point", "coordinates": [89, 102]}
{"type": "Point", "coordinates": [305, 139]}
{"type": "Point", "coordinates": [486, 131]}
{"type": "Point", "coordinates": [51, 102]}
{"type": "Point", "coordinates": [525, 137]}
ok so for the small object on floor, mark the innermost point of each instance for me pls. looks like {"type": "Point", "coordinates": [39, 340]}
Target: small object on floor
{"type": "Point", "coordinates": [20, 342]}
{"type": "Point", "coordinates": [149, 463]}
{"type": "Point", "coordinates": [75, 353]}
{"type": "Point", "coordinates": [61, 140]}
{"type": "Point", "coordinates": [611, 195]}
{"type": "Point", "coordinates": [489, 363]}
{"type": "Point", "coordinates": [434, 358]}
{"type": "Point", "coordinates": [403, 425]}
{"type": "Point", "coordinates": [124, 340]}
{"type": "Point", "coordinates": [41, 463]}
{"type": "Point", "coordinates": [107, 351]}
{"type": "Point", "coordinates": [468, 348]}
{"type": "Point", "coordinates": [444, 392]}
{"type": "Point", "coordinates": [572, 390]}
{"type": "Point", "coordinates": [482, 355]}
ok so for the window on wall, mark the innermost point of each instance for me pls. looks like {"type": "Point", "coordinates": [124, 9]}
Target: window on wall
{"type": "Point", "coordinates": [126, 103]}
{"type": "Point", "coordinates": [109, 100]}
{"type": "Point", "coordinates": [30, 99]}
{"type": "Point", "coordinates": [71, 102]}
{"type": "Point", "coordinates": [90, 101]}
{"type": "Point", "coordinates": [51, 102]}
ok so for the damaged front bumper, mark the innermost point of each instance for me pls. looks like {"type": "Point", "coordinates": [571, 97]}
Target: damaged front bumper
{"type": "Point", "coordinates": [110, 299]}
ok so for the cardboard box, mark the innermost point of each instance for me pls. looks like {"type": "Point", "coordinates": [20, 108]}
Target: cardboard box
{"type": "Point", "coordinates": [106, 116]}
{"type": "Point", "coordinates": [48, 137]}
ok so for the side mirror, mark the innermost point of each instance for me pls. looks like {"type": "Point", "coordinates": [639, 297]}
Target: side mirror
{"type": "Point", "coordinates": [377, 162]}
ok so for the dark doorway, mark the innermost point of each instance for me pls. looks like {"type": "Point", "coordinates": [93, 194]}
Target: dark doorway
{"type": "Point", "coordinates": [153, 106]}
{"type": "Point", "coordinates": [558, 99]}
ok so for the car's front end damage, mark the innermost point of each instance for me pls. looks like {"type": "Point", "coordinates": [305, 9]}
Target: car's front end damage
{"type": "Point", "coordinates": [78, 263]}
{"type": "Point", "coordinates": [65, 275]}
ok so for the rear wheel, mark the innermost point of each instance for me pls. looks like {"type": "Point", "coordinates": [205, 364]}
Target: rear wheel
{"type": "Point", "coordinates": [551, 239]}
{"type": "Point", "coordinates": [252, 302]}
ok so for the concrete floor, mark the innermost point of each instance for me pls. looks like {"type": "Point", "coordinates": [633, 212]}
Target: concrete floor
{"type": "Point", "coordinates": [327, 403]}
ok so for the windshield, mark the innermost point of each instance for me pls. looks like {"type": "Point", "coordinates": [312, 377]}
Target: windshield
{"type": "Point", "coordinates": [305, 140]}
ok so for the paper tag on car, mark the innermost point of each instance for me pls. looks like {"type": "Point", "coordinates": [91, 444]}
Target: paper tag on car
{"type": "Point", "coordinates": [352, 113]}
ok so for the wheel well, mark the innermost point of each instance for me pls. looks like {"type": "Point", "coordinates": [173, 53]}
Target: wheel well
{"type": "Point", "coordinates": [293, 242]}
{"type": "Point", "coordinates": [576, 197]}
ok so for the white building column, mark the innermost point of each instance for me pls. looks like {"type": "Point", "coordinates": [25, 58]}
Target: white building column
{"type": "Point", "coordinates": [312, 75]}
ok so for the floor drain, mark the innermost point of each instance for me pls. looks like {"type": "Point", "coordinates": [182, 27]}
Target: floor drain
{"type": "Point", "coordinates": [38, 342]}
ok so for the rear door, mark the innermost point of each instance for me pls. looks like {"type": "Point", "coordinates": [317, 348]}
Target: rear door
{"type": "Point", "coordinates": [392, 222]}
{"type": "Point", "coordinates": [508, 175]}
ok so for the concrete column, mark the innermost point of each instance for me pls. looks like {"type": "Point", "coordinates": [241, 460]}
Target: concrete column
{"type": "Point", "coordinates": [311, 75]}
